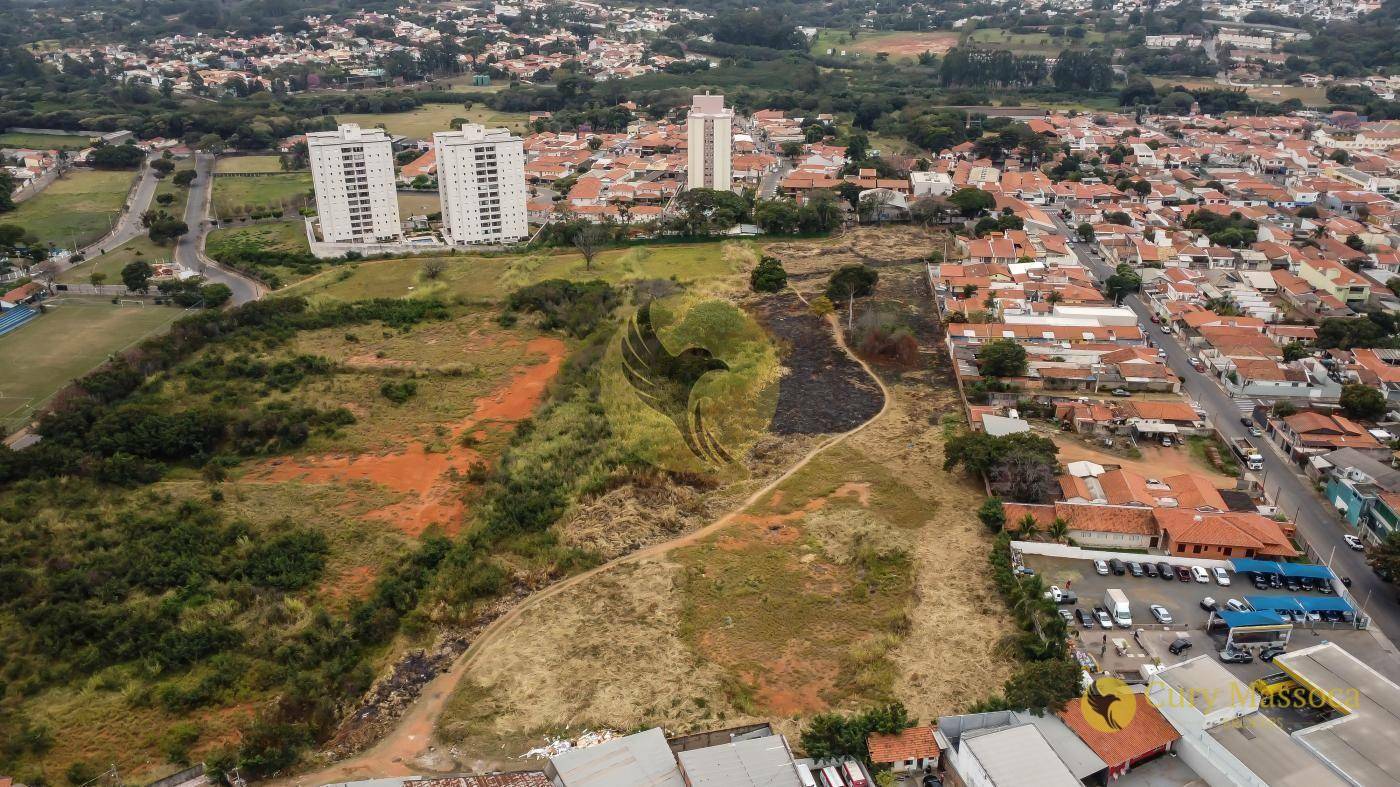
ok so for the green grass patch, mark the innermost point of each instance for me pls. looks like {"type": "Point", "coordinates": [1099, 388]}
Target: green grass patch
{"type": "Point", "coordinates": [1198, 445]}
{"type": "Point", "coordinates": [249, 164]}
{"type": "Point", "coordinates": [264, 247]}
{"type": "Point", "coordinates": [111, 263]}
{"type": "Point", "coordinates": [77, 209]}
{"type": "Point", "coordinates": [1027, 43]}
{"type": "Point", "coordinates": [421, 122]}
{"type": "Point", "coordinates": [242, 196]}
{"type": "Point", "coordinates": [72, 338]}
{"type": "Point", "coordinates": [424, 204]}
{"type": "Point", "coordinates": [19, 139]}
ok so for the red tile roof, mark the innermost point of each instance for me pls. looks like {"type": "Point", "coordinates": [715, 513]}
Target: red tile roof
{"type": "Point", "coordinates": [1147, 732]}
{"type": "Point", "coordinates": [911, 744]}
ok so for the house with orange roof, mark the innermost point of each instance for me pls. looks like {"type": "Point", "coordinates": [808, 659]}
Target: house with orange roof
{"type": "Point", "coordinates": [425, 164]}
{"type": "Point", "coordinates": [1091, 525]}
{"type": "Point", "coordinates": [1310, 433]}
{"type": "Point", "coordinates": [1146, 736]}
{"type": "Point", "coordinates": [1336, 279]}
{"type": "Point", "coordinates": [1380, 368]}
{"type": "Point", "coordinates": [1194, 533]}
{"type": "Point", "coordinates": [909, 750]}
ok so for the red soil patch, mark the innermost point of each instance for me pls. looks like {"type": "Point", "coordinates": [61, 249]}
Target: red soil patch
{"type": "Point", "coordinates": [353, 583]}
{"type": "Point", "coordinates": [910, 44]}
{"type": "Point", "coordinates": [430, 479]}
{"type": "Point", "coordinates": [793, 685]}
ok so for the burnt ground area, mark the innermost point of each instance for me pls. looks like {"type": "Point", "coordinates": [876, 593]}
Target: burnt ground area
{"type": "Point", "coordinates": [906, 289]}
{"type": "Point", "coordinates": [823, 390]}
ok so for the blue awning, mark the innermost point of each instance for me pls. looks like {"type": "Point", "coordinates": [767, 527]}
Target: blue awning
{"type": "Point", "coordinates": [1324, 604]}
{"type": "Point", "coordinates": [1237, 619]}
{"type": "Point", "coordinates": [1275, 602]}
{"type": "Point", "coordinates": [1296, 570]}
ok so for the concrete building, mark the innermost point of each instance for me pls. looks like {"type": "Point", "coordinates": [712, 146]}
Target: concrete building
{"type": "Point", "coordinates": [709, 128]}
{"type": "Point", "coordinates": [352, 170]}
{"type": "Point", "coordinates": [481, 182]}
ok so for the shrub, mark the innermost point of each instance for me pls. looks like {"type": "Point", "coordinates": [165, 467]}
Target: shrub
{"type": "Point", "coordinates": [768, 276]}
{"type": "Point", "coordinates": [399, 391]}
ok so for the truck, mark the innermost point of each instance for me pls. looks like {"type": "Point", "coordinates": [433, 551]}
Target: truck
{"type": "Point", "coordinates": [1248, 454]}
{"type": "Point", "coordinates": [1116, 602]}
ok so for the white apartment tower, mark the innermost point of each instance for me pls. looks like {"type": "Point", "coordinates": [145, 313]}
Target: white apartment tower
{"type": "Point", "coordinates": [352, 170]}
{"type": "Point", "coordinates": [481, 181]}
{"type": "Point", "coordinates": [709, 129]}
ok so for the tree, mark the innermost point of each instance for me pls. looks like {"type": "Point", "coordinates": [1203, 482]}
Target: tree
{"type": "Point", "coordinates": [768, 276]}
{"type": "Point", "coordinates": [589, 240]}
{"type": "Point", "coordinates": [434, 267]}
{"type": "Point", "coordinates": [1085, 231]}
{"type": "Point", "coordinates": [850, 282]}
{"type": "Point", "coordinates": [777, 216]}
{"type": "Point", "coordinates": [1294, 351]}
{"type": "Point", "coordinates": [791, 148]}
{"type": "Point", "coordinates": [1058, 529]}
{"type": "Point", "coordinates": [184, 177]}
{"type": "Point", "coordinates": [833, 736]}
{"type": "Point", "coordinates": [1384, 558]}
{"type": "Point", "coordinates": [993, 514]}
{"type": "Point", "coordinates": [165, 200]}
{"type": "Point", "coordinates": [215, 295]}
{"type": "Point", "coordinates": [1362, 401]}
{"type": "Point", "coordinates": [162, 167]}
{"type": "Point", "coordinates": [971, 201]}
{"type": "Point", "coordinates": [1002, 358]}
{"type": "Point", "coordinates": [96, 278]}
{"type": "Point", "coordinates": [1124, 281]}
{"type": "Point", "coordinates": [137, 275]}
{"type": "Point", "coordinates": [1043, 685]}
{"type": "Point", "coordinates": [116, 157]}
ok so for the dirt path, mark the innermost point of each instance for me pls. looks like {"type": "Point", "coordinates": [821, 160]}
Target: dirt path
{"type": "Point", "coordinates": [392, 755]}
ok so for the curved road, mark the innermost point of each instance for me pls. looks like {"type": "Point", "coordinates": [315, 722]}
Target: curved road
{"type": "Point", "coordinates": [1317, 523]}
{"type": "Point", "coordinates": [413, 732]}
{"type": "Point", "coordinates": [189, 250]}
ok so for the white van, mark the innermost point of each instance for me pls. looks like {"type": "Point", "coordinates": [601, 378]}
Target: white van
{"type": "Point", "coordinates": [804, 775]}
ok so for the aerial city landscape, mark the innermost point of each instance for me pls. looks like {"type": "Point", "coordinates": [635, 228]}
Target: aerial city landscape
{"type": "Point", "coordinates": [555, 393]}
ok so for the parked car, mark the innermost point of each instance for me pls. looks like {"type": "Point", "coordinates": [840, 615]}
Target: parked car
{"type": "Point", "coordinates": [1261, 582]}
{"type": "Point", "coordinates": [1208, 604]}
{"type": "Point", "coordinates": [1150, 569]}
{"type": "Point", "coordinates": [1231, 656]}
{"type": "Point", "coordinates": [1101, 615]}
{"type": "Point", "coordinates": [1221, 577]}
{"type": "Point", "coordinates": [1354, 543]}
{"type": "Point", "coordinates": [1100, 568]}
{"type": "Point", "coordinates": [1271, 652]}
{"type": "Point", "coordinates": [1085, 619]}
{"type": "Point", "coordinates": [1292, 585]}
{"type": "Point", "coordinates": [1135, 567]}
{"type": "Point", "coordinates": [1235, 605]}
{"type": "Point", "coordinates": [1179, 646]}
{"type": "Point", "coordinates": [1199, 574]}
{"type": "Point", "coordinates": [1183, 573]}
{"type": "Point", "coordinates": [1122, 392]}
{"type": "Point", "coordinates": [1067, 615]}
{"type": "Point", "coordinates": [1161, 614]}
{"type": "Point", "coordinates": [1165, 569]}
{"type": "Point", "coordinates": [1275, 581]}
{"type": "Point", "coordinates": [1166, 441]}
{"type": "Point", "coordinates": [1166, 328]}
{"type": "Point", "coordinates": [1256, 431]}
{"type": "Point", "coordinates": [1246, 422]}
{"type": "Point", "coordinates": [1116, 566]}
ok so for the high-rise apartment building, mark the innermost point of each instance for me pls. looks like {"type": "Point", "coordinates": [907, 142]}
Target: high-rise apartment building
{"type": "Point", "coordinates": [709, 128]}
{"type": "Point", "coordinates": [481, 182]}
{"type": "Point", "coordinates": [352, 170]}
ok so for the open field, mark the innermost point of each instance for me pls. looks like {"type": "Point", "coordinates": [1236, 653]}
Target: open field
{"type": "Point", "coordinates": [235, 245]}
{"type": "Point", "coordinates": [895, 44]}
{"type": "Point", "coordinates": [235, 195]}
{"type": "Point", "coordinates": [420, 123]}
{"type": "Point", "coordinates": [19, 139]}
{"type": "Point", "coordinates": [249, 164]}
{"type": "Point", "coordinates": [424, 204]}
{"type": "Point", "coordinates": [1030, 43]}
{"type": "Point", "coordinates": [491, 278]}
{"type": "Point", "coordinates": [166, 185]}
{"type": "Point", "coordinates": [77, 209]}
{"type": "Point", "coordinates": [73, 337]}
{"type": "Point", "coordinates": [111, 263]}
{"type": "Point", "coordinates": [463, 84]}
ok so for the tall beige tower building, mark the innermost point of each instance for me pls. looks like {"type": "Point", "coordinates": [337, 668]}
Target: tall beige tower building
{"type": "Point", "coordinates": [709, 128]}
{"type": "Point", "coordinates": [352, 170]}
{"type": "Point", "coordinates": [481, 180]}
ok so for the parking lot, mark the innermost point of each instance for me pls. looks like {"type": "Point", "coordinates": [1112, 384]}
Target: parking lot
{"type": "Point", "coordinates": [1183, 601]}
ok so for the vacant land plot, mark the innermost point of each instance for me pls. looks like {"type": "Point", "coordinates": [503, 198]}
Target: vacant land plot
{"type": "Point", "coordinates": [75, 210]}
{"type": "Point", "coordinates": [491, 278]}
{"type": "Point", "coordinates": [420, 123]}
{"type": "Point", "coordinates": [1027, 43]}
{"type": "Point", "coordinates": [423, 204]}
{"type": "Point", "coordinates": [463, 84]}
{"type": "Point", "coordinates": [110, 264]}
{"type": "Point", "coordinates": [249, 164]}
{"type": "Point", "coordinates": [896, 45]}
{"type": "Point", "coordinates": [237, 196]}
{"type": "Point", "coordinates": [20, 139]}
{"type": "Point", "coordinates": [238, 245]}
{"type": "Point", "coordinates": [73, 337]}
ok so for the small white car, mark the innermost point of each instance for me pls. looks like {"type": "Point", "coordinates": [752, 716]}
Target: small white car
{"type": "Point", "coordinates": [1221, 578]}
{"type": "Point", "coordinates": [1199, 574]}
{"type": "Point", "coordinates": [1101, 568]}
{"type": "Point", "coordinates": [1161, 614]}
{"type": "Point", "coordinates": [1354, 542]}
{"type": "Point", "coordinates": [1234, 605]}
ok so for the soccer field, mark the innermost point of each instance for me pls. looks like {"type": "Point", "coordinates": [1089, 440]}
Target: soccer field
{"type": "Point", "coordinates": [70, 339]}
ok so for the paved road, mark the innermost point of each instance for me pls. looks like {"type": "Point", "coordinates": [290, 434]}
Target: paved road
{"type": "Point", "coordinates": [1317, 523]}
{"type": "Point", "coordinates": [189, 250]}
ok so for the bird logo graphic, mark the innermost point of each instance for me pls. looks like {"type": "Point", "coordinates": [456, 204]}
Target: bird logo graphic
{"type": "Point", "coordinates": [1108, 705]}
{"type": "Point", "coordinates": [664, 382]}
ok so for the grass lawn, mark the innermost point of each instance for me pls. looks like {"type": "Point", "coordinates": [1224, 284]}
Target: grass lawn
{"type": "Point", "coordinates": [897, 45]}
{"type": "Point", "coordinates": [73, 337]}
{"type": "Point", "coordinates": [1310, 96]}
{"type": "Point", "coordinates": [1027, 43]}
{"type": "Point", "coordinates": [463, 84]}
{"type": "Point", "coordinates": [894, 145]}
{"type": "Point", "coordinates": [420, 123]}
{"type": "Point", "coordinates": [44, 141]}
{"type": "Point", "coordinates": [76, 209]}
{"type": "Point", "coordinates": [418, 204]}
{"type": "Point", "coordinates": [235, 195]}
{"type": "Point", "coordinates": [491, 278]}
{"type": "Point", "coordinates": [228, 244]}
{"type": "Point", "coordinates": [249, 164]}
{"type": "Point", "coordinates": [166, 186]}
{"type": "Point", "coordinates": [111, 263]}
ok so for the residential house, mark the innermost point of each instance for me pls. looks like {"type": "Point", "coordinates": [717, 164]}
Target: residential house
{"type": "Point", "coordinates": [1225, 535]}
{"type": "Point", "coordinates": [910, 750]}
{"type": "Point", "coordinates": [1336, 279]}
{"type": "Point", "coordinates": [1309, 433]}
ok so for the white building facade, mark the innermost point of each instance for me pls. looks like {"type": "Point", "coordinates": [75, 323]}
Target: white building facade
{"type": "Point", "coordinates": [709, 128]}
{"type": "Point", "coordinates": [481, 182]}
{"type": "Point", "coordinates": [352, 170]}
